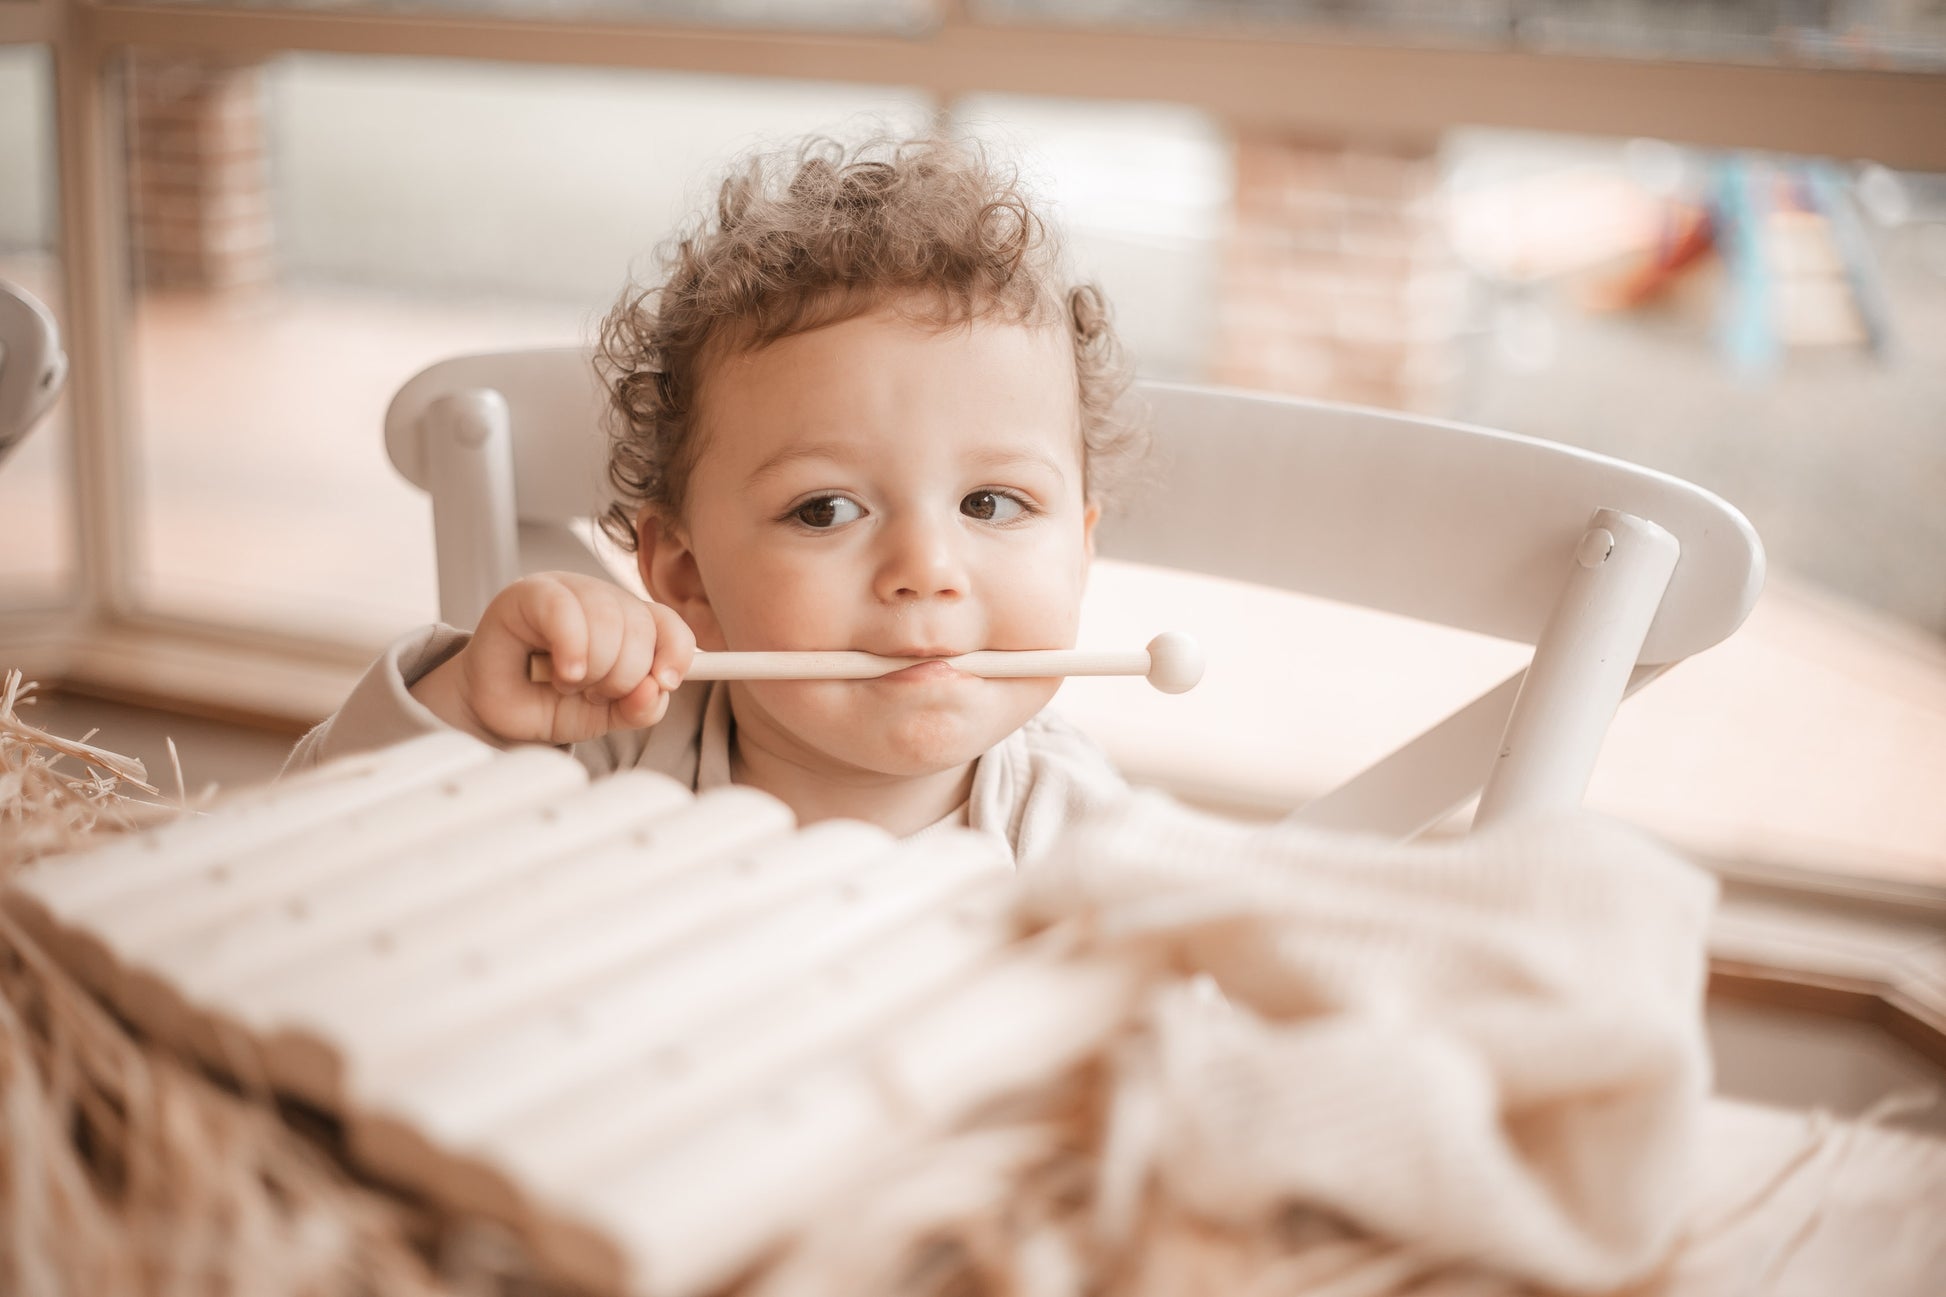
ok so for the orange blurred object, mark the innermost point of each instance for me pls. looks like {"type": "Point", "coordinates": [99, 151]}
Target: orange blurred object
{"type": "Point", "coordinates": [1688, 233]}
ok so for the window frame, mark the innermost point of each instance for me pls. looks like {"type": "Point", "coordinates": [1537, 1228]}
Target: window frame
{"type": "Point", "coordinates": [29, 22]}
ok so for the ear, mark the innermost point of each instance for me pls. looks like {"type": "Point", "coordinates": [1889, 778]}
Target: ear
{"type": "Point", "coordinates": [1089, 517]}
{"type": "Point", "coordinates": [671, 576]}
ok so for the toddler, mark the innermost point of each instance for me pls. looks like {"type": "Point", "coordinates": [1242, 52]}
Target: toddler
{"type": "Point", "coordinates": [860, 411]}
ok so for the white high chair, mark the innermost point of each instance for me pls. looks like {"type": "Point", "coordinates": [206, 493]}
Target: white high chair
{"type": "Point", "coordinates": [1611, 571]}
{"type": "Point", "coordinates": [32, 363]}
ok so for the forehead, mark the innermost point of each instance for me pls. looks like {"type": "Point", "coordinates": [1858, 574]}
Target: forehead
{"type": "Point", "coordinates": [884, 380]}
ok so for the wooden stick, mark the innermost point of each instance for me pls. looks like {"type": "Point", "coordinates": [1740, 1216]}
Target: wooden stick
{"type": "Point", "coordinates": [1172, 662]}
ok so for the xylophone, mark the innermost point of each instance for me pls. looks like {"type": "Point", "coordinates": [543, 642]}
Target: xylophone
{"type": "Point", "coordinates": [584, 1009]}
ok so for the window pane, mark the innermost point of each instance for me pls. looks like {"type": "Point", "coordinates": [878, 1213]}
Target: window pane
{"type": "Point", "coordinates": [1788, 356]}
{"type": "Point", "coordinates": [1141, 194]}
{"type": "Point", "coordinates": [301, 257]}
{"type": "Point", "coordinates": [37, 556]}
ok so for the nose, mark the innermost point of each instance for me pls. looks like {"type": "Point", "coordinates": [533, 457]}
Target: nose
{"type": "Point", "coordinates": [921, 558]}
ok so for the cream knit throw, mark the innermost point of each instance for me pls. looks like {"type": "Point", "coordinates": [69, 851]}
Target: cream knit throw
{"type": "Point", "coordinates": [1489, 1048]}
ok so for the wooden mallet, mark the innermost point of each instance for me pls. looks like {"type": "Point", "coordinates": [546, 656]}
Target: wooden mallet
{"type": "Point", "coordinates": [1172, 662]}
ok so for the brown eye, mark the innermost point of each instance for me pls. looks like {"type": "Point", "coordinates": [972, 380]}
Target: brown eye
{"type": "Point", "coordinates": [991, 506]}
{"type": "Point", "coordinates": [826, 511]}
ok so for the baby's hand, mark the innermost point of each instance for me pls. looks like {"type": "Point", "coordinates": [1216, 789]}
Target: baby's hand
{"type": "Point", "coordinates": [616, 658]}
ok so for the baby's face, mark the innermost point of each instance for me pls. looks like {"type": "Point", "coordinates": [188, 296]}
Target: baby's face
{"type": "Point", "coordinates": [886, 486]}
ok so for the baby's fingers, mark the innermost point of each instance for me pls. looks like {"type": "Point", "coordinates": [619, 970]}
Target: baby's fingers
{"type": "Point", "coordinates": [675, 646]}
{"type": "Point", "coordinates": [634, 651]}
{"type": "Point", "coordinates": [667, 647]}
{"type": "Point", "coordinates": [612, 668]}
{"type": "Point", "coordinates": [550, 618]}
{"type": "Point", "coordinates": [642, 706]}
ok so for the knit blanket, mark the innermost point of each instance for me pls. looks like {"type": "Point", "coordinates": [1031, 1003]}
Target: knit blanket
{"type": "Point", "coordinates": [1491, 1047]}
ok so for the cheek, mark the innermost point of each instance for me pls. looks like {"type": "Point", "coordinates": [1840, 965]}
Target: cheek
{"type": "Point", "coordinates": [1025, 698]}
{"type": "Point", "coordinates": [761, 602]}
{"type": "Point", "coordinates": [1040, 598]}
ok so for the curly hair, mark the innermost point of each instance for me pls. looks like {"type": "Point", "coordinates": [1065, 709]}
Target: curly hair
{"type": "Point", "coordinates": [819, 234]}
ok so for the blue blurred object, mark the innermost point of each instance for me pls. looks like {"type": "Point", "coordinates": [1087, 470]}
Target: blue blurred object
{"type": "Point", "coordinates": [1829, 195]}
{"type": "Point", "coordinates": [1745, 193]}
{"type": "Point", "coordinates": [32, 364]}
{"type": "Point", "coordinates": [1741, 215]}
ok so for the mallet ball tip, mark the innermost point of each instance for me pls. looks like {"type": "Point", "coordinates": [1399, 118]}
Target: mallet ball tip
{"type": "Point", "coordinates": [1175, 662]}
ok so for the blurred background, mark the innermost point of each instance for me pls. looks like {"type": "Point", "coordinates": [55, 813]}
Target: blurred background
{"type": "Point", "coordinates": [1709, 237]}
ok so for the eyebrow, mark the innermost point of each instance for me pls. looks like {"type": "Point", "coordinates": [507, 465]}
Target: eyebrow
{"type": "Point", "coordinates": [1006, 457]}
{"type": "Point", "coordinates": [834, 452]}
{"type": "Point", "coordinates": [783, 459]}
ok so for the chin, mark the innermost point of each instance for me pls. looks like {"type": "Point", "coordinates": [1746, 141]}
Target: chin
{"type": "Point", "coordinates": [927, 740]}
{"type": "Point", "coordinates": [928, 744]}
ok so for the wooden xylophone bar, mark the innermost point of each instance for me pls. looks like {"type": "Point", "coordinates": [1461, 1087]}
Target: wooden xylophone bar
{"type": "Point", "coordinates": [649, 1030]}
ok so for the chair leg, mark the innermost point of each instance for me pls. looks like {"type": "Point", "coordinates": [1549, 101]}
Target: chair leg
{"type": "Point", "coordinates": [1419, 784]}
{"type": "Point", "coordinates": [1581, 666]}
{"type": "Point", "coordinates": [1423, 781]}
{"type": "Point", "coordinates": [469, 453]}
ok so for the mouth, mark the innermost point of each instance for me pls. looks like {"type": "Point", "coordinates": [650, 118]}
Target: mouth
{"type": "Point", "coordinates": [929, 669]}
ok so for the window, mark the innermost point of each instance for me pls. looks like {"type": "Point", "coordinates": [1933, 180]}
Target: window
{"type": "Point", "coordinates": [1142, 194]}
{"type": "Point", "coordinates": [300, 257]}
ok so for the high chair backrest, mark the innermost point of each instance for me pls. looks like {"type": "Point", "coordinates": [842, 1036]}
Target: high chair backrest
{"type": "Point", "coordinates": [32, 363]}
{"type": "Point", "coordinates": [1612, 571]}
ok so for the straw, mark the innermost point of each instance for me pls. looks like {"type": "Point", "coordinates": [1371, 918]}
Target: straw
{"type": "Point", "coordinates": [124, 1169]}
{"type": "Point", "coordinates": [47, 807]}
